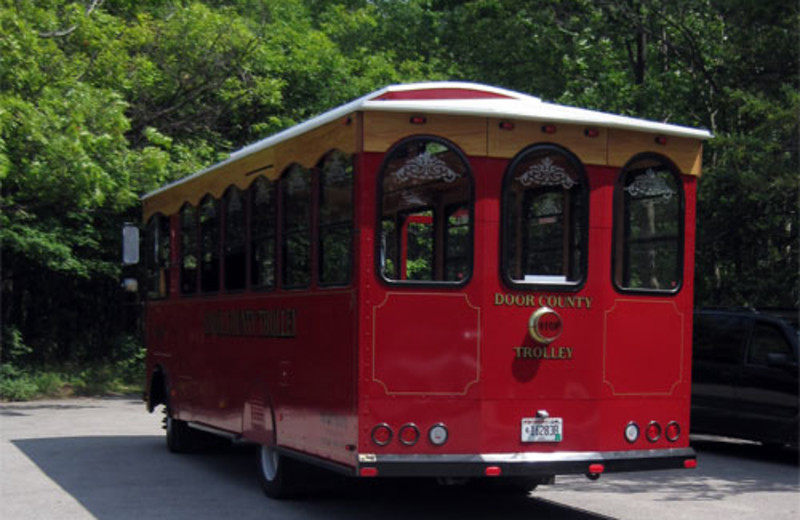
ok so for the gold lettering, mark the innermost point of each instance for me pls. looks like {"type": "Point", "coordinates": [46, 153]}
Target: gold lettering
{"type": "Point", "coordinates": [499, 298]}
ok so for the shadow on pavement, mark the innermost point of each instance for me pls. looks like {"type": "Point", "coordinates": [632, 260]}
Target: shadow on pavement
{"type": "Point", "coordinates": [135, 477]}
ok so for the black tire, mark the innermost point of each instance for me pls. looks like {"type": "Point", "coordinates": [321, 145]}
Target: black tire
{"type": "Point", "coordinates": [180, 438]}
{"type": "Point", "coordinates": [277, 473]}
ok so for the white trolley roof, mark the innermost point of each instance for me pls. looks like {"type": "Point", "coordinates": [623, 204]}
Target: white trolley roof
{"type": "Point", "coordinates": [477, 100]}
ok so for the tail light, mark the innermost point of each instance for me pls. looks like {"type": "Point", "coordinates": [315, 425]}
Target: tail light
{"type": "Point", "coordinates": [382, 434]}
{"type": "Point", "coordinates": [653, 431]}
{"type": "Point", "coordinates": [438, 434]}
{"type": "Point", "coordinates": [632, 432]}
{"type": "Point", "coordinates": [673, 431]}
{"type": "Point", "coordinates": [408, 434]}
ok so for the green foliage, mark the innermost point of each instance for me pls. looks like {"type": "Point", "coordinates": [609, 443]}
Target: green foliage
{"type": "Point", "coordinates": [101, 102]}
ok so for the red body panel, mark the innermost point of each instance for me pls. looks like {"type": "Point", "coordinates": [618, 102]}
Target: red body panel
{"type": "Point", "coordinates": [316, 370]}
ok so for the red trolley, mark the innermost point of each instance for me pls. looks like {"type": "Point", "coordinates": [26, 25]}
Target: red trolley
{"type": "Point", "coordinates": [440, 279]}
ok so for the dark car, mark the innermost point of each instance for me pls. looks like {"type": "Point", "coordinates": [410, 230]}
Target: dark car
{"type": "Point", "coordinates": [745, 375]}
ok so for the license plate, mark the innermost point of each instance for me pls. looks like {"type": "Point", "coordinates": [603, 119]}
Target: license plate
{"type": "Point", "coordinates": [550, 429]}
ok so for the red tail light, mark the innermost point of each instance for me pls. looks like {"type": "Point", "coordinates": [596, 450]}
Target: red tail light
{"type": "Point", "coordinates": [382, 434]}
{"type": "Point", "coordinates": [408, 434]}
{"type": "Point", "coordinates": [493, 471]}
{"type": "Point", "coordinates": [673, 431]}
{"type": "Point", "coordinates": [653, 431]}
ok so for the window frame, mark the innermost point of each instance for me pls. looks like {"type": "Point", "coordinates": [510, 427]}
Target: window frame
{"type": "Point", "coordinates": [323, 228]}
{"type": "Point", "coordinates": [225, 242]}
{"type": "Point", "coordinates": [182, 241]}
{"type": "Point", "coordinates": [379, 219]}
{"type": "Point", "coordinates": [271, 233]}
{"type": "Point", "coordinates": [214, 234]}
{"type": "Point", "coordinates": [506, 233]}
{"type": "Point", "coordinates": [285, 232]}
{"type": "Point", "coordinates": [618, 210]}
{"type": "Point", "coordinates": [154, 264]}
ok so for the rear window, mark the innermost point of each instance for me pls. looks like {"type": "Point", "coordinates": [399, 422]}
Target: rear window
{"type": "Point", "coordinates": [544, 219]}
{"type": "Point", "coordinates": [719, 338]}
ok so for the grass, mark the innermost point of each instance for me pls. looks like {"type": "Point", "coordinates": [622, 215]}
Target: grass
{"type": "Point", "coordinates": [116, 378]}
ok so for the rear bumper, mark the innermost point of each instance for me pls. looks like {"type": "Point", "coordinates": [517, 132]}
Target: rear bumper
{"type": "Point", "coordinates": [522, 464]}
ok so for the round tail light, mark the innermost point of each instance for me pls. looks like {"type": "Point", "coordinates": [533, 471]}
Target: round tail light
{"type": "Point", "coordinates": [382, 434]}
{"type": "Point", "coordinates": [438, 434]}
{"type": "Point", "coordinates": [632, 432]}
{"type": "Point", "coordinates": [408, 434]}
{"type": "Point", "coordinates": [673, 431]}
{"type": "Point", "coordinates": [653, 431]}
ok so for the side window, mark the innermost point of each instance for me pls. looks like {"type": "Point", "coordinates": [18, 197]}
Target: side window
{"type": "Point", "coordinates": [235, 237]}
{"type": "Point", "coordinates": [157, 256]}
{"type": "Point", "coordinates": [209, 244]}
{"type": "Point", "coordinates": [648, 226]}
{"type": "Point", "coordinates": [426, 221]}
{"type": "Point", "coordinates": [767, 339]}
{"type": "Point", "coordinates": [544, 219]}
{"type": "Point", "coordinates": [335, 219]}
{"type": "Point", "coordinates": [296, 237]}
{"type": "Point", "coordinates": [719, 339]}
{"type": "Point", "coordinates": [263, 225]}
{"type": "Point", "coordinates": [189, 250]}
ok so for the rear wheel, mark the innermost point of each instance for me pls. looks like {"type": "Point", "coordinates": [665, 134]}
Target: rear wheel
{"type": "Point", "coordinates": [180, 438]}
{"type": "Point", "coordinates": [278, 474]}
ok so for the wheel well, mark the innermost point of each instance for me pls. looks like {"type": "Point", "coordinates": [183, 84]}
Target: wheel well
{"type": "Point", "coordinates": [158, 390]}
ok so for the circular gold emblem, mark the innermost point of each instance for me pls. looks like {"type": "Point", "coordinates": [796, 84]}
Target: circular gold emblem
{"type": "Point", "coordinates": [545, 325]}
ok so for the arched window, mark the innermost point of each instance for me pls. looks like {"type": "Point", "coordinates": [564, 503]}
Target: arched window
{"type": "Point", "coordinates": [235, 238]}
{"type": "Point", "coordinates": [263, 225]}
{"type": "Point", "coordinates": [209, 244]}
{"type": "Point", "coordinates": [648, 226]}
{"type": "Point", "coordinates": [335, 219]}
{"type": "Point", "coordinates": [157, 256]}
{"type": "Point", "coordinates": [296, 229]}
{"type": "Point", "coordinates": [189, 249]}
{"type": "Point", "coordinates": [426, 213]}
{"type": "Point", "coordinates": [545, 212]}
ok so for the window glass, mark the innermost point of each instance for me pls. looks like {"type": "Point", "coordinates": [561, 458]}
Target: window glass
{"type": "Point", "coordinates": [296, 207]}
{"type": "Point", "coordinates": [335, 219]}
{"type": "Point", "coordinates": [768, 339]}
{"type": "Point", "coordinates": [263, 225]}
{"type": "Point", "coordinates": [157, 251]}
{"type": "Point", "coordinates": [209, 243]}
{"type": "Point", "coordinates": [235, 237]}
{"type": "Point", "coordinates": [426, 213]}
{"type": "Point", "coordinates": [189, 250]}
{"type": "Point", "coordinates": [648, 229]}
{"type": "Point", "coordinates": [544, 218]}
{"type": "Point", "coordinates": [719, 338]}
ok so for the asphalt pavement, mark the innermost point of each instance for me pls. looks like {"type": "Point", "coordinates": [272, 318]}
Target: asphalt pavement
{"type": "Point", "coordinates": [106, 459]}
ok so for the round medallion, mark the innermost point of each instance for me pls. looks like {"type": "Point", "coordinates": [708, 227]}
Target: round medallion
{"type": "Point", "coordinates": [545, 325]}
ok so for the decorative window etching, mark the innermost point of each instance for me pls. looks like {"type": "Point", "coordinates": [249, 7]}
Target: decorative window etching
{"type": "Point", "coordinates": [426, 167]}
{"type": "Point", "coordinates": [546, 173]}
{"type": "Point", "coordinates": [650, 186]}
